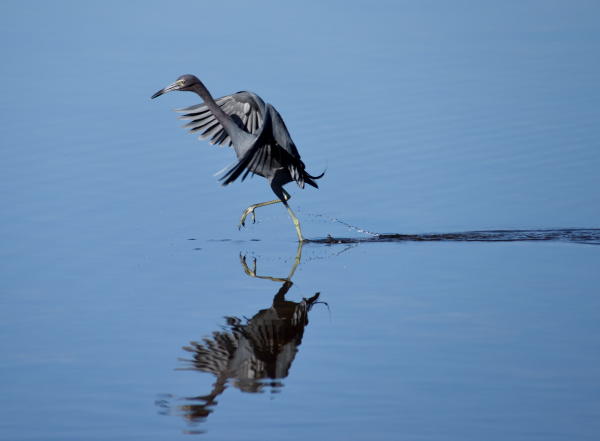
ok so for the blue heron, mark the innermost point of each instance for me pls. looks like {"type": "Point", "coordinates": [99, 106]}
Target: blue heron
{"type": "Point", "coordinates": [256, 132]}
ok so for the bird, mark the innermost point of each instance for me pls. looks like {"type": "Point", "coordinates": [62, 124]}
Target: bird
{"type": "Point", "coordinates": [258, 135]}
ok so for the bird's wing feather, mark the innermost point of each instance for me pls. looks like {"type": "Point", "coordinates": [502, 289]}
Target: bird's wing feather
{"type": "Point", "coordinates": [280, 133]}
{"type": "Point", "coordinates": [244, 107]}
{"type": "Point", "coordinates": [250, 158]}
{"type": "Point", "coordinates": [253, 115]}
{"type": "Point", "coordinates": [272, 146]}
{"type": "Point", "coordinates": [286, 153]}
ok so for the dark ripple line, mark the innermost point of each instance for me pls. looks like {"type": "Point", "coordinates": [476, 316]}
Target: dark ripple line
{"type": "Point", "coordinates": [590, 236]}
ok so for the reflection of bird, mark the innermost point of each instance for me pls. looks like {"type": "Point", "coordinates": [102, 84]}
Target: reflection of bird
{"type": "Point", "coordinates": [258, 135]}
{"type": "Point", "coordinates": [263, 346]}
{"type": "Point", "coordinates": [249, 351]}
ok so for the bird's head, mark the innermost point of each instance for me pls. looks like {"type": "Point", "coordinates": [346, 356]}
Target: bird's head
{"type": "Point", "coordinates": [184, 82]}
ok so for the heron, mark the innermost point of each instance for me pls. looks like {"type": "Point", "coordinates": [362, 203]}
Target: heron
{"type": "Point", "coordinates": [258, 135]}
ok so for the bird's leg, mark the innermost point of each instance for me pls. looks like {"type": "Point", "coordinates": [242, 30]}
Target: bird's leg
{"type": "Point", "coordinates": [251, 208]}
{"type": "Point", "coordinates": [284, 196]}
{"type": "Point", "coordinates": [296, 223]}
{"type": "Point", "coordinates": [293, 216]}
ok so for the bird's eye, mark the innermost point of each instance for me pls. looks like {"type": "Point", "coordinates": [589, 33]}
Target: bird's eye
{"type": "Point", "coordinates": [181, 83]}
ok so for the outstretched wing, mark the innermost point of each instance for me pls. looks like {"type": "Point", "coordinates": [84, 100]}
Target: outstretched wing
{"type": "Point", "coordinates": [273, 148]}
{"type": "Point", "coordinates": [245, 108]}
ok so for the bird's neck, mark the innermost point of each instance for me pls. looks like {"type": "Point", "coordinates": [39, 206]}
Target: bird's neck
{"type": "Point", "coordinates": [236, 134]}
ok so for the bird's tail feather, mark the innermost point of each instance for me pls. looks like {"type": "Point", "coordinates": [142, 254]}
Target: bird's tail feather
{"type": "Point", "coordinates": [310, 180]}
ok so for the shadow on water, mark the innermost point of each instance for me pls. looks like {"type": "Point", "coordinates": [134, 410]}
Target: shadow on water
{"type": "Point", "coordinates": [251, 354]}
{"type": "Point", "coordinates": [590, 236]}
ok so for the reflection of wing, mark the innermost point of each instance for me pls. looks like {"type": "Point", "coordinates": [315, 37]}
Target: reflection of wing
{"type": "Point", "coordinates": [246, 108]}
{"type": "Point", "coordinates": [213, 354]}
{"type": "Point", "coordinates": [263, 347]}
{"type": "Point", "coordinates": [229, 355]}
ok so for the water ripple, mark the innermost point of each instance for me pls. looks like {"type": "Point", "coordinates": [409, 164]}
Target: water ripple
{"type": "Point", "coordinates": [589, 236]}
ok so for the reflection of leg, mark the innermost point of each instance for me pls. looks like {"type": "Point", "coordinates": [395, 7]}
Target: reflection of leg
{"type": "Point", "coordinates": [297, 260]}
{"type": "Point", "coordinates": [252, 272]}
{"type": "Point", "coordinates": [251, 208]}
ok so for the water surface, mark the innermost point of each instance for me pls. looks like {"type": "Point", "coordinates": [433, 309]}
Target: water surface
{"type": "Point", "coordinates": [460, 144]}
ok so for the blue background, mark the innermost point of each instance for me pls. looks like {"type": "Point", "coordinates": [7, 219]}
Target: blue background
{"type": "Point", "coordinates": [428, 116]}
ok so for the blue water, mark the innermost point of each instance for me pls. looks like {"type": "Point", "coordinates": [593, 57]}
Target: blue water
{"type": "Point", "coordinates": [120, 247]}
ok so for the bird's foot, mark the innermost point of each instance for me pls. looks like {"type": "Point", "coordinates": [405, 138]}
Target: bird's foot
{"type": "Point", "coordinates": [249, 210]}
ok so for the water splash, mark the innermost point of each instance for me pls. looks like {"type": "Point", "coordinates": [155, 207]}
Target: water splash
{"type": "Point", "coordinates": [344, 223]}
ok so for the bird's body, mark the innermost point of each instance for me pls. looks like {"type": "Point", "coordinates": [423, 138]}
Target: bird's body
{"type": "Point", "coordinates": [257, 134]}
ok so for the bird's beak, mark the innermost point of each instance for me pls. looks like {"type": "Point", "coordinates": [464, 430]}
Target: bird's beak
{"type": "Point", "coordinates": [169, 88]}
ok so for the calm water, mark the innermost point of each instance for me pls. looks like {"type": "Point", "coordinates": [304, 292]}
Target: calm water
{"type": "Point", "coordinates": [129, 306]}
